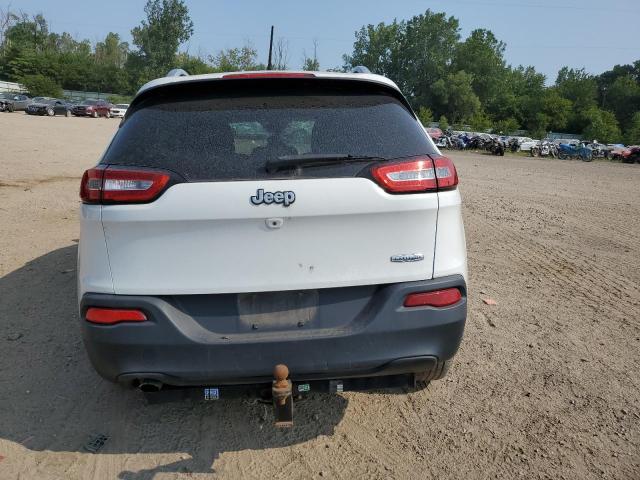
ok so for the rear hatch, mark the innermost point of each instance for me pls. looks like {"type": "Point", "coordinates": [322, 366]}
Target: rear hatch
{"type": "Point", "coordinates": [268, 189]}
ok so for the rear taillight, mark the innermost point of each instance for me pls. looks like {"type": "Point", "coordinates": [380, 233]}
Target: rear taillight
{"type": "Point", "coordinates": [122, 185]}
{"type": "Point", "coordinates": [416, 175]}
{"type": "Point", "coordinates": [436, 298]}
{"type": "Point", "coordinates": [110, 316]}
{"type": "Point", "coordinates": [91, 185]}
{"type": "Point", "coordinates": [445, 173]}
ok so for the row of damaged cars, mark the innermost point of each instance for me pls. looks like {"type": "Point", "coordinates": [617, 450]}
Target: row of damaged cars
{"type": "Point", "coordinates": [559, 147]}
{"type": "Point", "coordinates": [11, 102]}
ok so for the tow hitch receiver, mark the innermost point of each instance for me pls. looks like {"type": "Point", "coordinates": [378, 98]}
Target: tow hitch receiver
{"type": "Point", "coordinates": [281, 391]}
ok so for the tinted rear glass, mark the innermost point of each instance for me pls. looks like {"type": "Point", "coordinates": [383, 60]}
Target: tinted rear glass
{"type": "Point", "coordinates": [229, 135]}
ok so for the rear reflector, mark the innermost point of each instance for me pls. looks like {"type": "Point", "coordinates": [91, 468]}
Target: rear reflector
{"type": "Point", "coordinates": [110, 316]}
{"type": "Point", "coordinates": [122, 185]}
{"type": "Point", "coordinates": [270, 75]}
{"type": "Point", "coordinates": [437, 298]}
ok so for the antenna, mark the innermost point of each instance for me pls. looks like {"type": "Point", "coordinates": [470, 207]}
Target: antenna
{"type": "Point", "coordinates": [269, 65]}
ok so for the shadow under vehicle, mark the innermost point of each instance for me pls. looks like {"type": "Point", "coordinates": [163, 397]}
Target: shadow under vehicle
{"type": "Point", "coordinates": [51, 399]}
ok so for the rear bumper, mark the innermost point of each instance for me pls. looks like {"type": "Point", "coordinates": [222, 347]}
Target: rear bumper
{"type": "Point", "coordinates": [384, 338]}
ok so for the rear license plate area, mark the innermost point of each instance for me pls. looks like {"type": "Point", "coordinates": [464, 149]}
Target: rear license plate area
{"type": "Point", "coordinates": [277, 311]}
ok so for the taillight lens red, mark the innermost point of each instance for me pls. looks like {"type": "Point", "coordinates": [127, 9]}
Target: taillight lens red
{"type": "Point", "coordinates": [91, 185]}
{"type": "Point", "coordinates": [436, 298]}
{"type": "Point", "coordinates": [446, 173]}
{"type": "Point", "coordinates": [270, 75]}
{"type": "Point", "coordinates": [110, 316]}
{"type": "Point", "coordinates": [416, 175]}
{"type": "Point", "coordinates": [122, 185]}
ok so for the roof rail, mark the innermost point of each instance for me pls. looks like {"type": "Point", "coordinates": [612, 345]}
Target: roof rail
{"type": "Point", "coordinates": [360, 69]}
{"type": "Point", "coordinates": [177, 72]}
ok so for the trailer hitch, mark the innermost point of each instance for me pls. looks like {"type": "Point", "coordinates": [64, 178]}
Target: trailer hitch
{"type": "Point", "coordinates": [281, 391]}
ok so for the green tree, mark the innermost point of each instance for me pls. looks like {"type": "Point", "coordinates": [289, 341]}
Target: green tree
{"type": "Point", "coordinates": [166, 27]}
{"type": "Point", "coordinates": [39, 85]}
{"type": "Point", "coordinates": [193, 65]}
{"type": "Point", "coordinates": [556, 108]}
{"type": "Point", "coordinates": [481, 55]}
{"type": "Point", "coordinates": [112, 51]}
{"type": "Point", "coordinates": [601, 125]}
{"type": "Point", "coordinates": [623, 97]}
{"type": "Point", "coordinates": [480, 121]}
{"type": "Point", "coordinates": [414, 53]}
{"type": "Point", "coordinates": [506, 126]}
{"type": "Point", "coordinates": [443, 122]}
{"type": "Point", "coordinates": [632, 134]}
{"type": "Point", "coordinates": [577, 86]}
{"type": "Point", "coordinates": [311, 64]}
{"type": "Point", "coordinates": [236, 59]}
{"type": "Point", "coordinates": [425, 115]}
{"type": "Point", "coordinates": [538, 125]}
{"type": "Point", "coordinates": [427, 45]}
{"type": "Point", "coordinates": [378, 48]}
{"type": "Point", "coordinates": [455, 96]}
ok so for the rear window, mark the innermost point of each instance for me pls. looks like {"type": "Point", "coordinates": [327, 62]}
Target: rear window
{"type": "Point", "coordinates": [230, 134]}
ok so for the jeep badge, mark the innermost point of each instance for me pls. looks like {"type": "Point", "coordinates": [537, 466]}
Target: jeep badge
{"type": "Point", "coordinates": [283, 198]}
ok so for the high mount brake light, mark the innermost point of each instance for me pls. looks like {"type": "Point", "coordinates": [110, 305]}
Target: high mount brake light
{"type": "Point", "coordinates": [416, 175]}
{"type": "Point", "coordinates": [110, 316]}
{"type": "Point", "coordinates": [437, 298]}
{"type": "Point", "coordinates": [122, 185]}
{"type": "Point", "coordinates": [269, 75]}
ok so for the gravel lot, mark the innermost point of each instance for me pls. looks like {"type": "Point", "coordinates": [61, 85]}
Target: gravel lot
{"type": "Point", "coordinates": [546, 385]}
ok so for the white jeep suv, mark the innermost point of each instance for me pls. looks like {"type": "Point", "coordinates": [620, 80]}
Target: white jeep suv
{"type": "Point", "coordinates": [243, 220]}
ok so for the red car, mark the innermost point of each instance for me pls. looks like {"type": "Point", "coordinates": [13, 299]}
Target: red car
{"type": "Point", "coordinates": [631, 154]}
{"type": "Point", "coordinates": [434, 133]}
{"type": "Point", "coordinates": [93, 108]}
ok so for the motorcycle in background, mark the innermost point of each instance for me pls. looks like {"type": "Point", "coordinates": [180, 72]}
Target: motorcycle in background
{"type": "Point", "coordinates": [496, 146]}
{"type": "Point", "coordinates": [545, 149]}
{"type": "Point", "coordinates": [444, 141]}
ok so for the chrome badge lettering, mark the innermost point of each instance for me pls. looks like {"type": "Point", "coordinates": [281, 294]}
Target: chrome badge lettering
{"type": "Point", "coordinates": [284, 198]}
{"type": "Point", "coordinates": [409, 257]}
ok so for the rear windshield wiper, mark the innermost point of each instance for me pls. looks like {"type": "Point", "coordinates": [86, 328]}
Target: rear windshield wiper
{"type": "Point", "coordinates": [315, 159]}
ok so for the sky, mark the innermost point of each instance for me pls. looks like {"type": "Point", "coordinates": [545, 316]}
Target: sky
{"type": "Point", "coordinates": [547, 34]}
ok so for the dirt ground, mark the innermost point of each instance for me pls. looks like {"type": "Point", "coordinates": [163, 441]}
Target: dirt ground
{"type": "Point", "coordinates": [546, 384]}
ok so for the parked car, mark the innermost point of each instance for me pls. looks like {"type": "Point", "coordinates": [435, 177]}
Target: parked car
{"type": "Point", "coordinates": [205, 261]}
{"type": "Point", "coordinates": [50, 107]}
{"type": "Point", "coordinates": [526, 144]}
{"type": "Point", "coordinates": [119, 110]}
{"type": "Point", "coordinates": [5, 98]}
{"type": "Point", "coordinates": [92, 108]}
{"type": "Point", "coordinates": [434, 132]}
{"type": "Point", "coordinates": [14, 102]}
{"type": "Point", "coordinates": [617, 151]}
{"type": "Point", "coordinates": [631, 154]}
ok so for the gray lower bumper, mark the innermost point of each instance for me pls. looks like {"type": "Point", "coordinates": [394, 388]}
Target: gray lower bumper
{"type": "Point", "coordinates": [384, 338]}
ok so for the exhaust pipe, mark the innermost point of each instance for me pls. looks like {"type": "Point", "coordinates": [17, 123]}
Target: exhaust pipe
{"type": "Point", "coordinates": [149, 385]}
